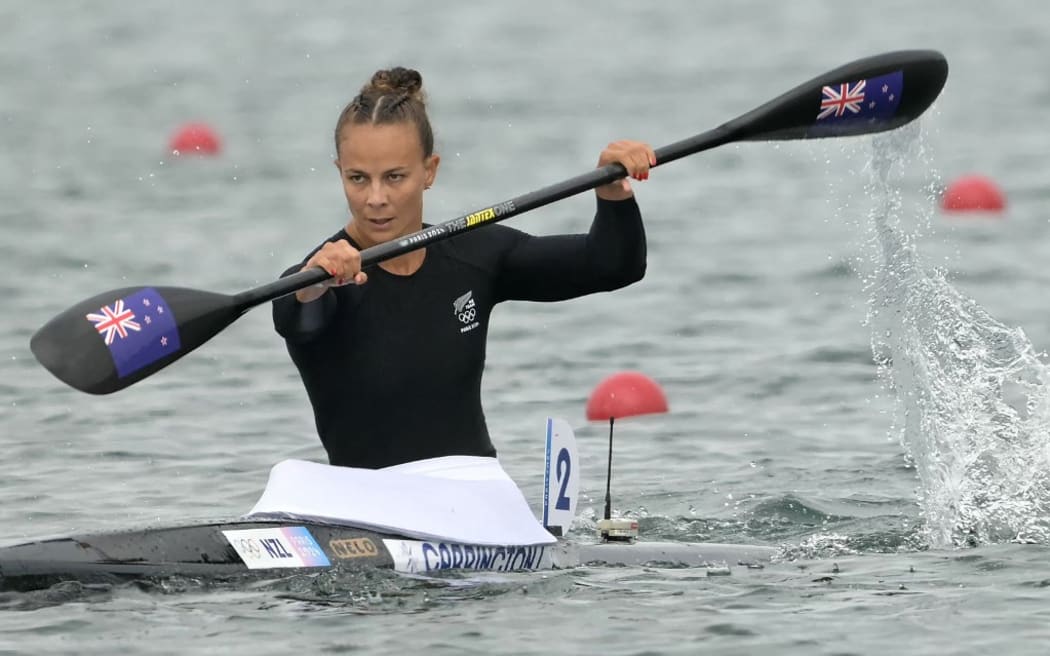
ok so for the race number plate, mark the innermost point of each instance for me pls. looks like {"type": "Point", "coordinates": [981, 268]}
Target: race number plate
{"type": "Point", "coordinates": [287, 546]}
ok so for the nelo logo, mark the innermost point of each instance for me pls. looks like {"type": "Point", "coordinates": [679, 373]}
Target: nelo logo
{"type": "Point", "coordinates": [348, 548]}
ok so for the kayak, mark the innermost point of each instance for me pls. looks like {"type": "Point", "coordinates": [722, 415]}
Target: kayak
{"type": "Point", "coordinates": [451, 513]}
{"type": "Point", "coordinates": [228, 551]}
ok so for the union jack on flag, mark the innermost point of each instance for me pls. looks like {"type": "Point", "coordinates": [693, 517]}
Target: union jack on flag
{"type": "Point", "coordinates": [844, 98]}
{"type": "Point", "coordinates": [138, 330]}
{"type": "Point", "coordinates": [872, 99]}
{"type": "Point", "coordinates": [113, 321]}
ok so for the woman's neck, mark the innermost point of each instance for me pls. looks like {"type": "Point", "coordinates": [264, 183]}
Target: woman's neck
{"type": "Point", "coordinates": [402, 265]}
{"type": "Point", "coordinates": [405, 265]}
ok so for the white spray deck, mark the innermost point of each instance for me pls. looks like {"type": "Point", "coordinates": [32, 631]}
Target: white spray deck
{"type": "Point", "coordinates": [463, 499]}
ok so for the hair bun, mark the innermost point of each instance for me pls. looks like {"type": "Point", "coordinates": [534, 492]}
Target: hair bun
{"type": "Point", "coordinates": [393, 95]}
{"type": "Point", "coordinates": [396, 80]}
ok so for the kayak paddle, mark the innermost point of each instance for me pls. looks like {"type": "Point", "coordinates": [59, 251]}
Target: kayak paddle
{"type": "Point", "coordinates": [112, 340]}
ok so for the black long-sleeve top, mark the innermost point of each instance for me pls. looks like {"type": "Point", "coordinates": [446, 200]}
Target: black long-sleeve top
{"type": "Point", "coordinates": [393, 367]}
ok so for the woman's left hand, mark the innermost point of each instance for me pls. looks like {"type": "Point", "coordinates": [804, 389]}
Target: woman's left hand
{"type": "Point", "coordinates": [636, 157]}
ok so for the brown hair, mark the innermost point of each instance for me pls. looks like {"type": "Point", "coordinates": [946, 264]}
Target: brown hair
{"type": "Point", "coordinates": [393, 95]}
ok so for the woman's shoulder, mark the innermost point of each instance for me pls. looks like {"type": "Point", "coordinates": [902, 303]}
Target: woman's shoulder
{"type": "Point", "coordinates": [483, 246]}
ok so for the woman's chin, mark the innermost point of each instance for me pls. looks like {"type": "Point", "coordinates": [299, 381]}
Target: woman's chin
{"type": "Point", "coordinates": [377, 233]}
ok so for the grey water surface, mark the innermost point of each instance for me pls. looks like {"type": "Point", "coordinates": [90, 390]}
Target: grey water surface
{"type": "Point", "coordinates": [854, 377]}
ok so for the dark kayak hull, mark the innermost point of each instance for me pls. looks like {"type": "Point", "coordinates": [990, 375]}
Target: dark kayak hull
{"type": "Point", "coordinates": [230, 550]}
{"type": "Point", "coordinates": [201, 550]}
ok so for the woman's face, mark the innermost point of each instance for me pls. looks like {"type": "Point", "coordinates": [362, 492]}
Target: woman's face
{"type": "Point", "coordinates": [384, 174]}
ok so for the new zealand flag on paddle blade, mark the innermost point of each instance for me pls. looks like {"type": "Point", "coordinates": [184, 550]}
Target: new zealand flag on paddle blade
{"type": "Point", "coordinates": [875, 98]}
{"type": "Point", "coordinates": [138, 330]}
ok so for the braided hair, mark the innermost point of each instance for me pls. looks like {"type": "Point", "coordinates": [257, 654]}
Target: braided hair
{"type": "Point", "coordinates": [393, 95]}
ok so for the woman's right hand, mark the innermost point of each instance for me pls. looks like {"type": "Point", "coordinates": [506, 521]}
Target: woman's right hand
{"type": "Point", "coordinates": [342, 261]}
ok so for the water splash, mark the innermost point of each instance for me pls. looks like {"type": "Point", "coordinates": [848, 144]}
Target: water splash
{"type": "Point", "coordinates": [973, 399]}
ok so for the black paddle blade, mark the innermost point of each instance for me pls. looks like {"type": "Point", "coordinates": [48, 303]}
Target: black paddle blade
{"type": "Point", "coordinates": [870, 95]}
{"type": "Point", "coordinates": [109, 341]}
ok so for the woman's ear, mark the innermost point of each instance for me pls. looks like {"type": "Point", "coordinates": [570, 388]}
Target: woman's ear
{"type": "Point", "coordinates": [430, 169]}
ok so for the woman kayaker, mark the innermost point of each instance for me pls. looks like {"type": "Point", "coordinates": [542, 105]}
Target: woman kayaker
{"type": "Point", "coordinates": [393, 367]}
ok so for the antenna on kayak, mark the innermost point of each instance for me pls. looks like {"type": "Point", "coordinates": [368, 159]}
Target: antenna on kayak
{"type": "Point", "coordinates": [624, 394]}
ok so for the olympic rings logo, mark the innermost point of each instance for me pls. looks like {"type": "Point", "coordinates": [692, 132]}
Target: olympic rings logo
{"type": "Point", "coordinates": [468, 315]}
{"type": "Point", "coordinates": [249, 547]}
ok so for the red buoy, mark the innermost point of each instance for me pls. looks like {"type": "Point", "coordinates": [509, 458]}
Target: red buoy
{"type": "Point", "coordinates": [973, 193]}
{"type": "Point", "coordinates": [195, 139]}
{"type": "Point", "coordinates": [626, 394]}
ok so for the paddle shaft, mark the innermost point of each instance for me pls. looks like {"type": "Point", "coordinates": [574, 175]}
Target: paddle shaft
{"type": "Point", "coordinates": [492, 214]}
{"type": "Point", "coordinates": [791, 115]}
